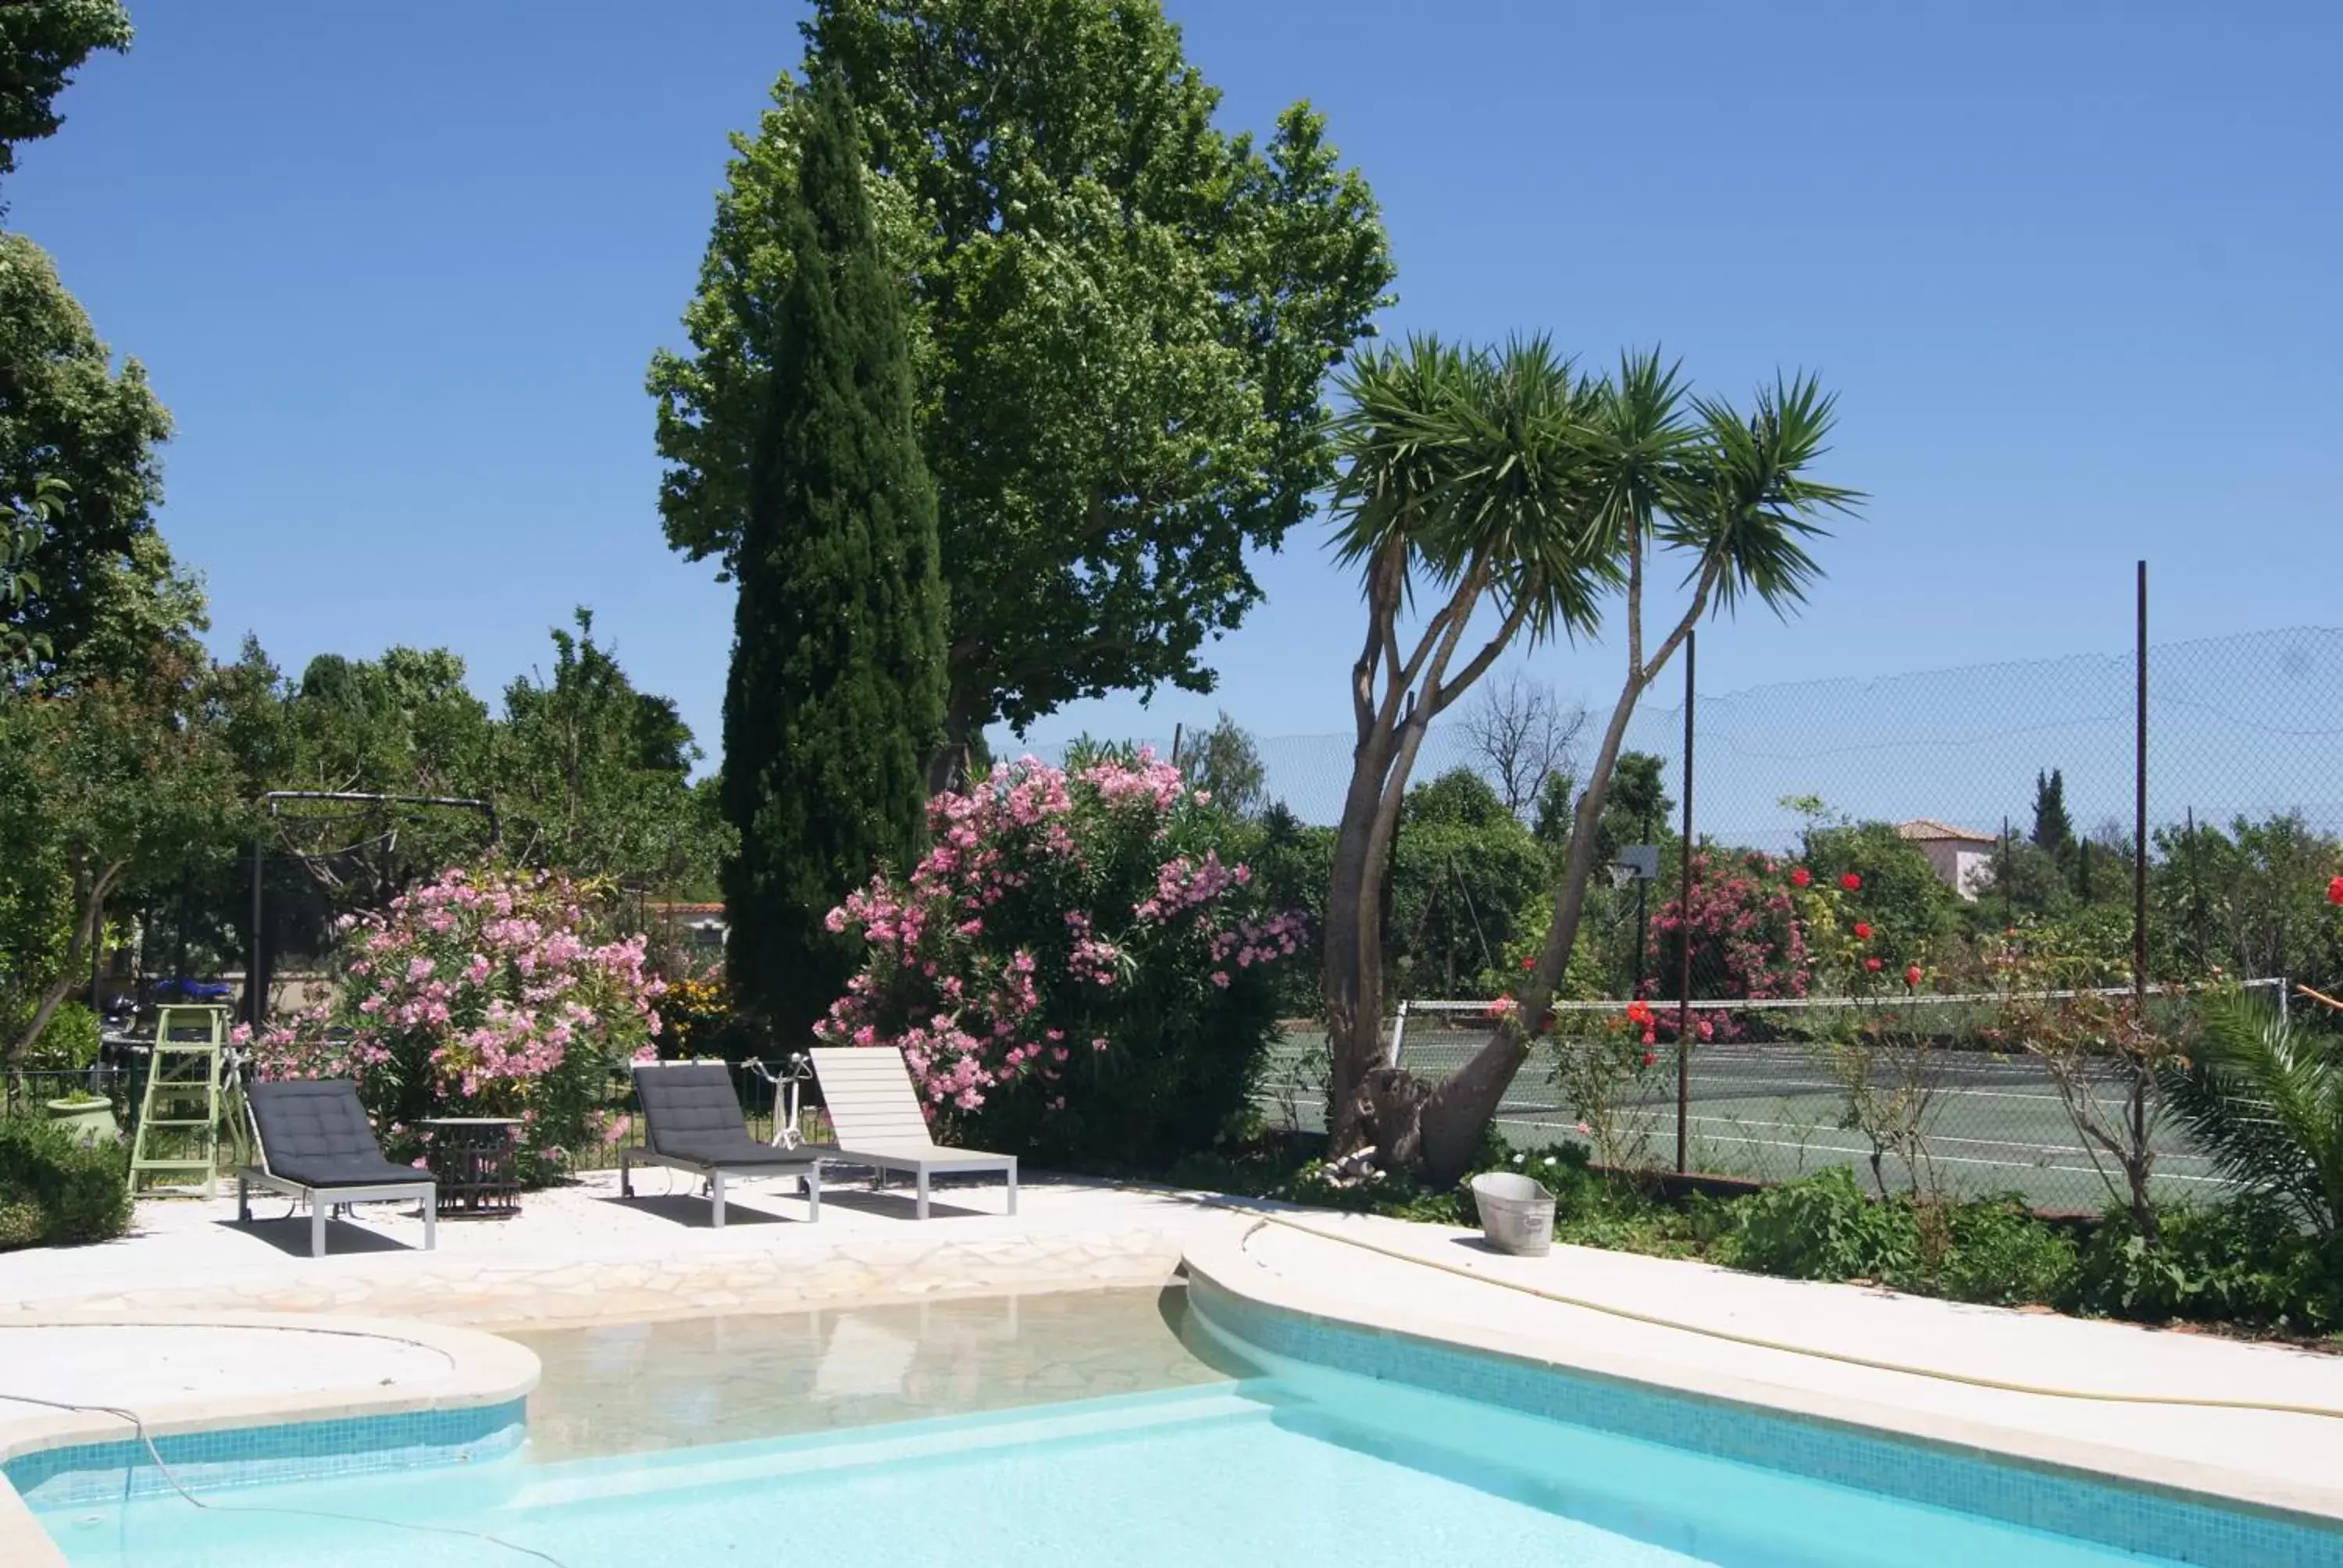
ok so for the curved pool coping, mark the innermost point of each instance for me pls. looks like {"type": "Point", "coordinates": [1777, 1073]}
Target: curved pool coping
{"type": "Point", "coordinates": [485, 1374]}
{"type": "Point", "coordinates": [1935, 1458]}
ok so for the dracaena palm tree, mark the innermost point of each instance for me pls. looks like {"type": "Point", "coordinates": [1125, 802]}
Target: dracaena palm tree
{"type": "Point", "coordinates": [1463, 484]}
{"type": "Point", "coordinates": [1728, 496]}
{"type": "Point", "coordinates": [2263, 1097]}
{"type": "Point", "coordinates": [1508, 477]}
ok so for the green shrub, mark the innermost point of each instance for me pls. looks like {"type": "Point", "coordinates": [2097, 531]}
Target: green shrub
{"type": "Point", "coordinates": [20, 1225]}
{"type": "Point", "coordinates": [1990, 1252]}
{"type": "Point", "coordinates": [75, 1194]}
{"type": "Point", "coordinates": [69, 1041]}
{"type": "Point", "coordinates": [2246, 1261]}
{"type": "Point", "coordinates": [1821, 1228]}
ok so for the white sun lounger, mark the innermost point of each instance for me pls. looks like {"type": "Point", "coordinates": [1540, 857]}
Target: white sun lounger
{"type": "Point", "coordinates": [875, 1118]}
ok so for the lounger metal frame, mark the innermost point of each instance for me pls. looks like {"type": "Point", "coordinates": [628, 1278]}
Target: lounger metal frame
{"type": "Point", "coordinates": [811, 1171]}
{"type": "Point", "coordinates": [322, 1200]}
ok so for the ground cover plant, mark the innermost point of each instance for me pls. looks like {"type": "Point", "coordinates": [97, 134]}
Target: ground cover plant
{"type": "Point", "coordinates": [2241, 1263]}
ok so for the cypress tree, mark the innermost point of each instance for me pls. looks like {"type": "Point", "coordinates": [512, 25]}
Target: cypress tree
{"type": "Point", "coordinates": [2053, 830]}
{"type": "Point", "coordinates": [837, 688]}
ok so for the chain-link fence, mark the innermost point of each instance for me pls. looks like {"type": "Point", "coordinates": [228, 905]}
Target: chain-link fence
{"type": "Point", "coordinates": [1906, 839]}
{"type": "Point", "coordinates": [1943, 1099]}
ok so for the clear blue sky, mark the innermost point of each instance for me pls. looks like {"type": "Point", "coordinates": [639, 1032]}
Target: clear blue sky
{"type": "Point", "coordinates": [396, 270]}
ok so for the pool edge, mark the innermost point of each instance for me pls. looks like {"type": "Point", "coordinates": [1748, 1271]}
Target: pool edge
{"type": "Point", "coordinates": [1305, 1318]}
{"type": "Point", "coordinates": [485, 1373]}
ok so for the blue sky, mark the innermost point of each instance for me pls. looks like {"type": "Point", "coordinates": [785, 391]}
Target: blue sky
{"type": "Point", "coordinates": [397, 271]}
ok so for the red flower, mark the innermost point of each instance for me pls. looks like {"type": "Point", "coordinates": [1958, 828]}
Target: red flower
{"type": "Point", "coordinates": [1800, 877]}
{"type": "Point", "coordinates": [1851, 882]}
{"type": "Point", "coordinates": [1639, 1011]}
{"type": "Point", "coordinates": [1650, 1039]}
{"type": "Point", "coordinates": [1863, 930]}
{"type": "Point", "coordinates": [1912, 976]}
{"type": "Point", "coordinates": [1872, 964]}
{"type": "Point", "coordinates": [1529, 963]}
{"type": "Point", "coordinates": [1649, 1058]}
{"type": "Point", "coordinates": [2335, 891]}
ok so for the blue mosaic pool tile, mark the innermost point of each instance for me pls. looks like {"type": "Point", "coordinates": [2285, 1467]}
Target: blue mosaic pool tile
{"type": "Point", "coordinates": [2133, 1518]}
{"type": "Point", "coordinates": [93, 1472]}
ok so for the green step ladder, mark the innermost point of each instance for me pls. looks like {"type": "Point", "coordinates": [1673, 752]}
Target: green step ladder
{"type": "Point", "coordinates": [179, 1115]}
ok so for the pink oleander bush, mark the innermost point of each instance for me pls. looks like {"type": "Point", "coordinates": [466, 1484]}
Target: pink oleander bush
{"type": "Point", "coordinates": [1079, 966]}
{"type": "Point", "coordinates": [482, 993]}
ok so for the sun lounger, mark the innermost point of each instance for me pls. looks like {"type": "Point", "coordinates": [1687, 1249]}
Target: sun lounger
{"type": "Point", "coordinates": [314, 1142]}
{"type": "Point", "coordinates": [692, 1121]}
{"type": "Point", "coordinates": [875, 1113]}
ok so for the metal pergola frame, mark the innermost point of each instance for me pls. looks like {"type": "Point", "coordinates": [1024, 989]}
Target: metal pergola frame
{"type": "Point", "coordinates": [256, 992]}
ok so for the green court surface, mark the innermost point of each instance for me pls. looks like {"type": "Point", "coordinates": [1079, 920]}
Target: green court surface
{"type": "Point", "coordinates": [1773, 1111]}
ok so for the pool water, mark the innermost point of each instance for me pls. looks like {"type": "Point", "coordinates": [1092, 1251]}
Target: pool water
{"type": "Point", "coordinates": [1073, 1430]}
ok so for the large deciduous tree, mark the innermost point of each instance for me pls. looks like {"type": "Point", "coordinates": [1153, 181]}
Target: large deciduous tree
{"type": "Point", "coordinates": [102, 786]}
{"type": "Point", "coordinates": [77, 461]}
{"type": "Point", "coordinates": [837, 692]}
{"type": "Point", "coordinates": [1120, 323]}
{"type": "Point", "coordinates": [1508, 486]}
{"type": "Point", "coordinates": [41, 43]}
{"type": "Point", "coordinates": [595, 777]}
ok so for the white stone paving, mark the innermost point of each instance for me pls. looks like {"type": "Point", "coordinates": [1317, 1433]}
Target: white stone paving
{"type": "Point", "coordinates": [2289, 1460]}
{"type": "Point", "coordinates": [579, 1254]}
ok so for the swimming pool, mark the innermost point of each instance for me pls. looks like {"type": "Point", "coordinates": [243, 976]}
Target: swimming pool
{"type": "Point", "coordinates": [1097, 1429]}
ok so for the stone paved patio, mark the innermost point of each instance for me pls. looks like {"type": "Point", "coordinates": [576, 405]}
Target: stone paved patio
{"type": "Point", "coordinates": [580, 1255]}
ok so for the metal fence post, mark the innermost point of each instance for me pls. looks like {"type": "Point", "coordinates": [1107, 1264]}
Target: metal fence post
{"type": "Point", "coordinates": [2139, 802]}
{"type": "Point", "coordinates": [1683, 932]}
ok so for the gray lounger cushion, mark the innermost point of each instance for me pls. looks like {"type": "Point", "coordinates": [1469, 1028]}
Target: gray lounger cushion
{"type": "Point", "coordinates": [689, 1113]}
{"type": "Point", "coordinates": [315, 1132]}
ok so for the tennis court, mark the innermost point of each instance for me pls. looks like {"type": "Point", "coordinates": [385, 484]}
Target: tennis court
{"type": "Point", "coordinates": [1774, 1111]}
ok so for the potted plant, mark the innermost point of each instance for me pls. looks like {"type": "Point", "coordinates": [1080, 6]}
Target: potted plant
{"type": "Point", "coordinates": [87, 1118]}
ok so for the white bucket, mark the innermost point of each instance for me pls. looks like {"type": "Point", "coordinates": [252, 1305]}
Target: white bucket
{"type": "Point", "coordinates": [1516, 1212]}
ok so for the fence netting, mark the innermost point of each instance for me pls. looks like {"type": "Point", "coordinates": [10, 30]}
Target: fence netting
{"type": "Point", "coordinates": [1890, 841]}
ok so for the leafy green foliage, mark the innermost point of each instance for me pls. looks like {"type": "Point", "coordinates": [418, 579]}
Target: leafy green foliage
{"type": "Point", "coordinates": [1225, 764]}
{"type": "Point", "coordinates": [2263, 1097]}
{"type": "Point", "coordinates": [2249, 898]}
{"type": "Point", "coordinates": [99, 789]}
{"type": "Point", "coordinates": [1121, 322]}
{"type": "Point", "coordinates": [2246, 1261]}
{"type": "Point", "coordinates": [1821, 1228]}
{"type": "Point", "coordinates": [1991, 1251]}
{"type": "Point", "coordinates": [594, 777]}
{"type": "Point", "coordinates": [1464, 870]}
{"type": "Point", "coordinates": [56, 1191]}
{"type": "Point", "coordinates": [1291, 861]}
{"type": "Point", "coordinates": [835, 695]}
{"type": "Point", "coordinates": [104, 589]}
{"type": "Point", "coordinates": [1912, 913]}
{"type": "Point", "coordinates": [69, 1043]}
{"type": "Point", "coordinates": [22, 529]}
{"type": "Point", "coordinates": [41, 43]}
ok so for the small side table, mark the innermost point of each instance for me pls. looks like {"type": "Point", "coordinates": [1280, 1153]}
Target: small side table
{"type": "Point", "coordinates": [474, 1159]}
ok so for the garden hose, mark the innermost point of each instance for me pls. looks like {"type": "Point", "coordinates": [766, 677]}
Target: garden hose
{"type": "Point", "coordinates": [2001, 1385]}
